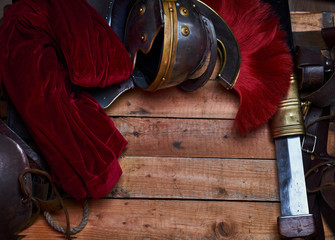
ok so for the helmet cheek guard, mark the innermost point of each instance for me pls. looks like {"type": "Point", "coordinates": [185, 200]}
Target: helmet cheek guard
{"type": "Point", "coordinates": [170, 42]}
{"type": "Point", "coordinates": [228, 49]}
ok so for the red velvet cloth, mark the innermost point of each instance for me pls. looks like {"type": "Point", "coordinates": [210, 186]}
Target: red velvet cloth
{"type": "Point", "coordinates": [44, 46]}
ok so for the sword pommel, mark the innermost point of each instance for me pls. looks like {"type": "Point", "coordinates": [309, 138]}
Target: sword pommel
{"type": "Point", "coordinates": [288, 120]}
{"type": "Point", "coordinates": [297, 227]}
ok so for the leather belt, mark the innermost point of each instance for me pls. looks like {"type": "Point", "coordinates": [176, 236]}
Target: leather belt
{"type": "Point", "coordinates": [318, 87]}
{"type": "Point", "coordinates": [314, 66]}
{"type": "Point", "coordinates": [319, 168]}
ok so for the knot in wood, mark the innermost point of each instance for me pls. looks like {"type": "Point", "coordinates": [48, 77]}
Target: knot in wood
{"type": "Point", "coordinates": [222, 229]}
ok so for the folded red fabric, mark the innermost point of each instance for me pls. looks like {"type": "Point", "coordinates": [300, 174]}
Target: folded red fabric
{"type": "Point", "coordinates": [46, 45]}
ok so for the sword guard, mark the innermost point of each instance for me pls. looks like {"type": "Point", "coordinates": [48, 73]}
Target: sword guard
{"type": "Point", "coordinates": [296, 227]}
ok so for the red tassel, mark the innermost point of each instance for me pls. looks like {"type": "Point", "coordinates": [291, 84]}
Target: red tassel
{"type": "Point", "coordinates": [266, 62]}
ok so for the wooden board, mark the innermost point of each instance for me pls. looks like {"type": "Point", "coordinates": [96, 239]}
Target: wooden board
{"type": "Point", "coordinates": [210, 101]}
{"type": "Point", "coordinates": [187, 174]}
{"type": "Point", "coordinates": [170, 219]}
{"type": "Point", "coordinates": [166, 219]}
{"type": "Point", "coordinates": [192, 138]}
{"type": "Point", "coordinates": [197, 178]}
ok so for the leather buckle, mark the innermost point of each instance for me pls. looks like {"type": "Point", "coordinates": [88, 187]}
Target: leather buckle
{"type": "Point", "coordinates": [314, 144]}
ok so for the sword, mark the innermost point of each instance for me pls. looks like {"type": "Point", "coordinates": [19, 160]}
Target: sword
{"type": "Point", "coordinates": [296, 221]}
{"type": "Point", "coordinates": [287, 126]}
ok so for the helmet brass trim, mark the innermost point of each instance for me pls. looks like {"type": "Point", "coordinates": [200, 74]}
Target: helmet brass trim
{"type": "Point", "coordinates": [169, 46]}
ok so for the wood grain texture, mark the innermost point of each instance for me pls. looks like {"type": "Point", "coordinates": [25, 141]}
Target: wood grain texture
{"type": "Point", "coordinates": [192, 138]}
{"type": "Point", "coordinates": [143, 219]}
{"type": "Point", "coordinates": [197, 178]}
{"type": "Point", "coordinates": [210, 101]}
{"type": "Point", "coordinates": [306, 21]}
{"type": "Point", "coordinates": [167, 219]}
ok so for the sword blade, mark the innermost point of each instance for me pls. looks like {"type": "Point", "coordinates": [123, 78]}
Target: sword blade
{"type": "Point", "coordinates": [293, 194]}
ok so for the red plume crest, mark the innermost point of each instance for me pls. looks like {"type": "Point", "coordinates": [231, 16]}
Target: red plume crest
{"type": "Point", "coordinates": [266, 62]}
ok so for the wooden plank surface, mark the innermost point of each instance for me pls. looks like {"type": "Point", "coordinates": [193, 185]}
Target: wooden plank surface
{"type": "Point", "coordinates": [192, 138]}
{"type": "Point", "coordinates": [306, 21]}
{"type": "Point", "coordinates": [210, 101]}
{"type": "Point", "coordinates": [197, 178]}
{"type": "Point", "coordinates": [170, 219]}
{"type": "Point", "coordinates": [187, 174]}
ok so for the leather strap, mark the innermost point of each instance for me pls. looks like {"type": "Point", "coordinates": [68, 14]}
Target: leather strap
{"type": "Point", "coordinates": [328, 35]}
{"type": "Point", "coordinates": [319, 165]}
{"type": "Point", "coordinates": [312, 77]}
{"type": "Point", "coordinates": [327, 203]}
{"type": "Point", "coordinates": [50, 204]}
{"type": "Point", "coordinates": [311, 56]}
{"type": "Point", "coordinates": [318, 168]}
{"type": "Point", "coordinates": [318, 88]}
{"type": "Point", "coordinates": [311, 61]}
{"type": "Point", "coordinates": [313, 65]}
{"type": "Point", "coordinates": [324, 96]}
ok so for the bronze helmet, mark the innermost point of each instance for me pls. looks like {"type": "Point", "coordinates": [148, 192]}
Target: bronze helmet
{"type": "Point", "coordinates": [15, 207]}
{"type": "Point", "coordinates": [169, 41]}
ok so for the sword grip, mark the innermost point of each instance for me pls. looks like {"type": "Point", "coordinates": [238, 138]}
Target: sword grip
{"type": "Point", "coordinates": [288, 120]}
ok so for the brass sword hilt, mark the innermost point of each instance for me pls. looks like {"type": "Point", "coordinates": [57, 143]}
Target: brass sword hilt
{"type": "Point", "coordinates": [288, 120]}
